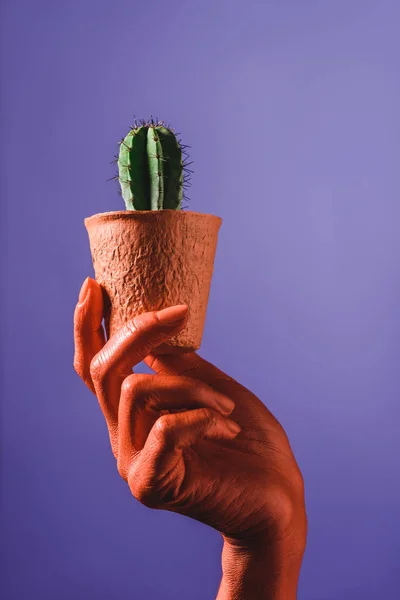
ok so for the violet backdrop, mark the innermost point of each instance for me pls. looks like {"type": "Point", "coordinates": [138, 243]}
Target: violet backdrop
{"type": "Point", "coordinates": [292, 112]}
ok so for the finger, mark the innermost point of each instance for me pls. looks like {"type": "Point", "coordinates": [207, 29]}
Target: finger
{"type": "Point", "coordinates": [189, 363]}
{"type": "Point", "coordinates": [162, 453]}
{"type": "Point", "coordinates": [248, 406]}
{"type": "Point", "coordinates": [88, 331]}
{"type": "Point", "coordinates": [143, 396]}
{"type": "Point", "coordinates": [193, 365]}
{"type": "Point", "coordinates": [129, 346]}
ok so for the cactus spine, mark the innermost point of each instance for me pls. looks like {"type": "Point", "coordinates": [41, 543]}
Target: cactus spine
{"type": "Point", "coordinates": [151, 167]}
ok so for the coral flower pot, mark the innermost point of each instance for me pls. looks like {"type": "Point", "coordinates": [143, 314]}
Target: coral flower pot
{"type": "Point", "coordinates": [149, 260]}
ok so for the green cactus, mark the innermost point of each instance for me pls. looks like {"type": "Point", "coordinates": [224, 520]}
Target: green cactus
{"type": "Point", "coordinates": [152, 168]}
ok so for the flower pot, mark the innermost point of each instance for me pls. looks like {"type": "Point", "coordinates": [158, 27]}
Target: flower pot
{"type": "Point", "coordinates": [149, 260]}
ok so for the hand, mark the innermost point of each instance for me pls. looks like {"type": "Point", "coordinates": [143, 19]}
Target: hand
{"type": "Point", "coordinates": [192, 440]}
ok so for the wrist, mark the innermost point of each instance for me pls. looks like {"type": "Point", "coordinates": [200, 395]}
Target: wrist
{"type": "Point", "coordinates": [260, 570]}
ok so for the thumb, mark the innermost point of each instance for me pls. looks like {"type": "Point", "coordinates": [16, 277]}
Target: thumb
{"type": "Point", "coordinates": [88, 331]}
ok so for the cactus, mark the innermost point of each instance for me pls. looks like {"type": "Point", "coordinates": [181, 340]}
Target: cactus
{"type": "Point", "coordinates": [152, 170]}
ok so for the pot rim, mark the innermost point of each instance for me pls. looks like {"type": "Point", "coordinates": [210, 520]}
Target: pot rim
{"type": "Point", "coordinates": [122, 214]}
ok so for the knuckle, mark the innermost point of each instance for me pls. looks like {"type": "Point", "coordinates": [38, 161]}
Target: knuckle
{"type": "Point", "coordinates": [143, 492]}
{"type": "Point", "coordinates": [131, 384]}
{"type": "Point", "coordinates": [78, 367]}
{"type": "Point", "coordinates": [121, 468]}
{"type": "Point", "coordinates": [209, 417]}
{"type": "Point", "coordinates": [142, 324]}
{"type": "Point", "coordinates": [98, 368]}
{"type": "Point", "coordinates": [163, 426]}
{"type": "Point", "coordinates": [138, 323]}
{"type": "Point", "coordinates": [163, 430]}
{"type": "Point", "coordinates": [133, 390]}
{"type": "Point", "coordinates": [145, 496]}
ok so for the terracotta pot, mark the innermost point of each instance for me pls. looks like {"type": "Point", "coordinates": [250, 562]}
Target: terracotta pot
{"type": "Point", "coordinates": [148, 260]}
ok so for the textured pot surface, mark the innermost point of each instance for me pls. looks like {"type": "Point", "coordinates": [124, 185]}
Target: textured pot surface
{"type": "Point", "coordinates": [148, 260]}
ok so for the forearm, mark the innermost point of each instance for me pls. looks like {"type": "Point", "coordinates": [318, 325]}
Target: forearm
{"type": "Point", "coordinates": [262, 573]}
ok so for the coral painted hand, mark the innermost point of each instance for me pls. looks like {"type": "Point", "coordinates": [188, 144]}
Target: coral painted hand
{"type": "Point", "coordinates": [192, 440]}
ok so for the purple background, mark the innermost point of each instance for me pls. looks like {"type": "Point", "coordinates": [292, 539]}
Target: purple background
{"type": "Point", "coordinates": [291, 109]}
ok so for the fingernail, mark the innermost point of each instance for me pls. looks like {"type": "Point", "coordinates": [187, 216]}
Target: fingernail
{"type": "Point", "coordinates": [172, 314]}
{"type": "Point", "coordinates": [233, 426]}
{"type": "Point", "coordinates": [84, 290]}
{"type": "Point", "coordinates": [226, 404]}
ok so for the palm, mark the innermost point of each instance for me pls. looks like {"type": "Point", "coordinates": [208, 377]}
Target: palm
{"type": "Point", "coordinates": [211, 477]}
